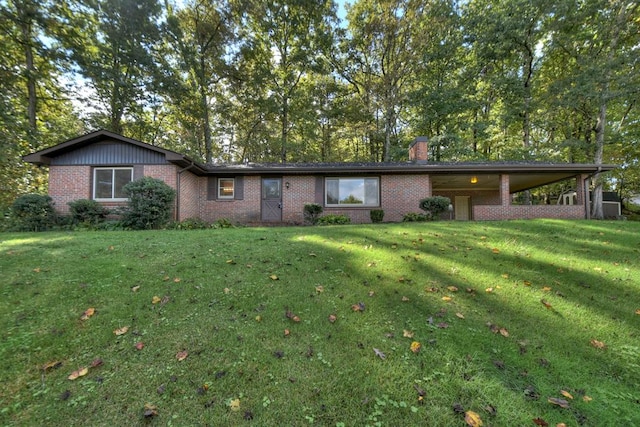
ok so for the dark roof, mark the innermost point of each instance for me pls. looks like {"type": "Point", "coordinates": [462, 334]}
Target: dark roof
{"type": "Point", "coordinates": [43, 157]}
{"type": "Point", "coordinates": [525, 175]}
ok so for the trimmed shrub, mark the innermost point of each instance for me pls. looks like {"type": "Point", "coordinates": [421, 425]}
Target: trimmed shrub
{"type": "Point", "coordinates": [311, 212]}
{"type": "Point", "coordinates": [434, 206]}
{"type": "Point", "coordinates": [150, 203]}
{"type": "Point", "coordinates": [33, 212]}
{"type": "Point", "coordinates": [333, 219]}
{"type": "Point", "coordinates": [87, 211]}
{"type": "Point", "coordinates": [376, 215]}
{"type": "Point", "coordinates": [414, 217]}
{"type": "Point", "coordinates": [189, 224]}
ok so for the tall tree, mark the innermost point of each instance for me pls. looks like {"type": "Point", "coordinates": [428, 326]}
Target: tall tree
{"type": "Point", "coordinates": [112, 44]}
{"type": "Point", "coordinates": [598, 39]}
{"type": "Point", "coordinates": [385, 43]}
{"type": "Point", "coordinates": [294, 38]}
{"type": "Point", "coordinates": [200, 34]}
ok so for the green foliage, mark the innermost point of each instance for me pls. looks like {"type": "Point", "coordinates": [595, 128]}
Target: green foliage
{"type": "Point", "coordinates": [311, 212]}
{"type": "Point", "coordinates": [150, 203]}
{"type": "Point", "coordinates": [434, 206]}
{"type": "Point", "coordinates": [87, 211]}
{"type": "Point", "coordinates": [333, 219]}
{"type": "Point", "coordinates": [376, 215]}
{"type": "Point", "coordinates": [189, 224]}
{"type": "Point", "coordinates": [33, 212]}
{"type": "Point", "coordinates": [414, 217]}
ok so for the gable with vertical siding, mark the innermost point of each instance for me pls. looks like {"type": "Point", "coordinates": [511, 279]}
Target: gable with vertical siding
{"type": "Point", "coordinates": [108, 153]}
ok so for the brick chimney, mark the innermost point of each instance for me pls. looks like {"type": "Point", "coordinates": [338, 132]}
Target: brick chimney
{"type": "Point", "coordinates": [419, 150]}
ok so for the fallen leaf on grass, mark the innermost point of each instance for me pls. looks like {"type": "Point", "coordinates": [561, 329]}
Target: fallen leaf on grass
{"type": "Point", "coordinates": [526, 283]}
{"type": "Point", "coordinates": [234, 405]}
{"type": "Point", "coordinates": [460, 315]}
{"type": "Point", "coordinates": [495, 250]}
{"type": "Point", "coordinates": [638, 312]}
{"type": "Point", "coordinates": [156, 299]}
{"type": "Point", "coordinates": [443, 325]}
{"type": "Point", "coordinates": [380, 354]}
{"type": "Point", "coordinates": [273, 277]}
{"type": "Point", "coordinates": [587, 398]}
{"type": "Point", "coordinates": [446, 299]}
{"type": "Point", "coordinates": [452, 288]}
{"type": "Point", "coordinates": [88, 313]}
{"type": "Point", "coordinates": [489, 290]}
{"type": "Point", "coordinates": [415, 347]}
{"type": "Point", "coordinates": [181, 355]}
{"type": "Point", "coordinates": [472, 419]}
{"type": "Point", "coordinates": [231, 262]}
{"type": "Point", "coordinates": [598, 344]}
{"type": "Point", "coordinates": [135, 288]}
{"type": "Point", "coordinates": [546, 304]}
{"type": "Point", "coordinates": [319, 289]}
{"type": "Point", "coordinates": [358, 307]}
{"type": "Point", "coordinates": [150, 410]}
{"type": "Point", "coordinates": [566, 394]}
{"type": "Point", "coordinates": [287, 332]}
{"type": "Point", "coordinates": [504, 332]}
{"type": "Point", "coordinates": [176, 280]}
{"type": "Point", "coordinates": [121, 331]}
{"type": "Point", "coordinates": [55, 364]}
{"type": "Point", "coordinates": [139, 345]}
{"type": "Point", "coordinates": [96, 362]}
{"type": "Point", "coordinates": [407, 334]}
{"type": "Point", "coordinates": [557, 401]}
{"type": "Point", "coordinates": [332, 318]}
{"type": "Point", "coordinates": [405, 299]}
{"type": "Point", "coordinates": [540, 422]}
{"type": "Point", "coordinates": [79, 373]}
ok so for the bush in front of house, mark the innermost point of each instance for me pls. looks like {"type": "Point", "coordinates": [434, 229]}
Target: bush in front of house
{"type": "Point", "coordinates": [85, 211]}
{"type": "Point", "coordinates": [189, 224]}
{"type": "Point", "coordinates": [376, 215]}
{"type": "Point", "coordinates": [434, 206]}
{"type": "Point", "coordinates": [149, 205]}
{"type": "Point", "coordinates": [333, 219]}
{"type": "Point", "coordinates": [311, 213]}
{"type": "Point", "coordinates": [414, 217]}
{"type": "Point", "coordinates": [32, 212]}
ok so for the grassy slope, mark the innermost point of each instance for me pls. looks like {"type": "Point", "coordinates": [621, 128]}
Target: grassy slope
{"type": "Point", "coordinates": [226, 311]}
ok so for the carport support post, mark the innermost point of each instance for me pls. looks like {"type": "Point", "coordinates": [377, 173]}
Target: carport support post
{"type": "Point", "coordinates": [505, 196]}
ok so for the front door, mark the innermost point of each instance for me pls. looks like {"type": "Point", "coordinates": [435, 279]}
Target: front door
{"type": "Point", "coordinates": [271, 199]}
{"type": "Point", "coordinates": [462, 208]}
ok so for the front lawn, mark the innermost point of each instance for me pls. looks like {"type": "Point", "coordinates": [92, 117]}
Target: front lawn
{"type": "Point", "coordinates": [439, 324]}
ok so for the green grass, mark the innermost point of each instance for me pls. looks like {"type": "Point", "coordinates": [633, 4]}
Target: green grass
{"type": "Point", "coordinates": [227, 311]}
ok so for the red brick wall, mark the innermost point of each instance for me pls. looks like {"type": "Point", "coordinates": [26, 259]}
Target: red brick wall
{"type": "Point", "coordinates": [69, 183]}
{"type": "Point", "coordinates": [301, 191]}
{"type": "Point", "coordinates": [189, 195]}
{"type": "Point", "coordinates": [491, 213]}
{"type": "Point", "coordinates": [242, 211]}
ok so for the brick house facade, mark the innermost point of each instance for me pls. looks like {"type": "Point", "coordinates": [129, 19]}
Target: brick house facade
{"type": "Point", "coordinates": [94, 166]}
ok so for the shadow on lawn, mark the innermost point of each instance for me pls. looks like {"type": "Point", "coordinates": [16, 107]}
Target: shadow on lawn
{"type": "Point", "coordinates": [559, 348]}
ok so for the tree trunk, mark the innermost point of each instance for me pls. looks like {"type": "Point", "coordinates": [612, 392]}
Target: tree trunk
{"type": "Point", "coordinates": [596, 198]}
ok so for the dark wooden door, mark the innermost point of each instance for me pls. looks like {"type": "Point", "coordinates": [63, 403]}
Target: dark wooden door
{"type": "Point", "coordinates": [272, 199]}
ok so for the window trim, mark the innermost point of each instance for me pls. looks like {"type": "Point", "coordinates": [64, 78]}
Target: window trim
{"type": "Point", "coordinates": [351, 205]}
{"type": "Point", "coordinates": [219, 188]}
{"type": "Point", "coordinates": [113, 172]}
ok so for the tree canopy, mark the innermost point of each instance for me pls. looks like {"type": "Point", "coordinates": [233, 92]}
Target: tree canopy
{"type": "Point", "coordinates": [306, 81]}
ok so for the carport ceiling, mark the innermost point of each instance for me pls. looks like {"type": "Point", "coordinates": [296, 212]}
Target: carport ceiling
{"type": "Point", "coordinates": [517, 181]}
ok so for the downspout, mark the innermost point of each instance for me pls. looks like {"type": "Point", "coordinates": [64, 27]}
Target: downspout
{"type": "Point", "coordinates": [178, 174]}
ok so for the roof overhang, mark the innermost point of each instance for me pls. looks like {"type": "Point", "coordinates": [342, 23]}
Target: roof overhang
{"type": "Point", "coordinates": [44, 157]}
{"type": "Point", "coordinates": [457, 176]}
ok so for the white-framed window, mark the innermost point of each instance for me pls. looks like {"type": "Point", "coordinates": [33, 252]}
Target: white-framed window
{"type": "Point", "coordinates": [226, 188]}
{"type": "Point", "coordinates": [352, 191]}
{"type": "Point", "coordinates": [108, 183]}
